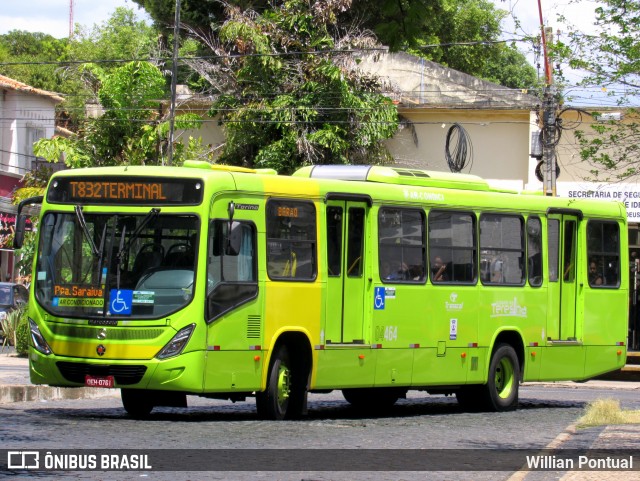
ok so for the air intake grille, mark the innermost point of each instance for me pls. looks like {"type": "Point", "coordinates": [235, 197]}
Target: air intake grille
{"type": "Point", "coordinates": [119, 334]}
{"type": "Point", "coordinates": [253, 327]}
{"type": "Point", "coordinates": [411, 173]}
{"type": "Point", "coordinates": [124, 375]}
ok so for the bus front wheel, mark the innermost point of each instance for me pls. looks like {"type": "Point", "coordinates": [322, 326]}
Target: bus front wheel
{"type": "Point", "coordinates": [280, 400]}
{"type": "Point", "coordinates": [136, 402]}
{"type": "Point", "coordinates": [501, 390]}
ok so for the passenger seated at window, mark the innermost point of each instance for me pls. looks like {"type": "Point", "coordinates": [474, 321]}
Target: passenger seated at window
{"type": "Point", "coordinates": [416, 273]}
{"type": "Point", "coordinates": [388, 273]}
{"type": "Point", "coordinates": [595, 278]}
{"type": "Point", "coordinates": [438, 270]}
{"type": "Point", "coordinates": [496, 272]}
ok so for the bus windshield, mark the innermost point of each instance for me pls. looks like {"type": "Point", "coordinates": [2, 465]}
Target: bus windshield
{"type": "Point", "coordinates": [105, 265]}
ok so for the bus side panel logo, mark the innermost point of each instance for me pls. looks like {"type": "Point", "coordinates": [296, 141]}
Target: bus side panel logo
{"type": "Point", "coordinates": [378, 298]}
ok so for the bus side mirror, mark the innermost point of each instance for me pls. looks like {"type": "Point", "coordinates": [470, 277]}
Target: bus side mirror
{"type": "Point", "coordinates": [18, 235]}
{"type": "Point", "coordinates": [21, 220]}
{"type": "Point", "coordinates": [234, 239]}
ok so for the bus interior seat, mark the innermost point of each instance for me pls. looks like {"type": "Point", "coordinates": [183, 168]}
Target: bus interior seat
{"type": "Point", "coordinates": [148, 257]}
{"type": "Point", "coordinates": [462, 272]}
{"type": "Point", "coordinates": [179, 255]}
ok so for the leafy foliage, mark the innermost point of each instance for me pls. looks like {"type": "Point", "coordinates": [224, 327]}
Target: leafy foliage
{"type": "Point", "coordinates": [22, 335]}
{"type": "Point", "coordinates": [130, 131]}
{"type": "Point", "coordinates": [283, 105]}
{"type": "Point", "coordinates": [610, 60]}
{"type": "Point", "coordinates": [32, 57]}
{"type": "Point", "coordinates": [433, 29]}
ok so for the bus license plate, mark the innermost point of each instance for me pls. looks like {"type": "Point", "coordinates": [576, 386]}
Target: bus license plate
{"type": "Point", "coordinates": [99, 381]}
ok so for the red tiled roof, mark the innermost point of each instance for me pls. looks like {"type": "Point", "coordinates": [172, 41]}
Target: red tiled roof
{"type": "Point", "coordinates": [9, 83]}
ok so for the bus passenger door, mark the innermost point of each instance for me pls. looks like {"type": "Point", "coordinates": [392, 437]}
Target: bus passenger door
{"type": "Point", "coordinates": [562, 252]}
{"type": "Point", "coordinates": [345, 264]}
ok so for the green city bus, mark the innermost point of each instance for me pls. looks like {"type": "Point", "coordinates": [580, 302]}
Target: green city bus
{"type": "Point", "coordinates": [230, 283]}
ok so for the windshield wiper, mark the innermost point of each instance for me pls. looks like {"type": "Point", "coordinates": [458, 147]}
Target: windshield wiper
{"type": "Point", "coordinates": [85, 231]}
{"type": "Point", "coordinates": [153, 213]}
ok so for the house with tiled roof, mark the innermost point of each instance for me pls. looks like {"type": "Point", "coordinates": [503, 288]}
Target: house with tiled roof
{"type": "Point", "coordinates": [26, 115]}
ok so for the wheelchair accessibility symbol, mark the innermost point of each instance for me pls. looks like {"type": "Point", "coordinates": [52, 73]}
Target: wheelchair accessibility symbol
{"type": "Point", "coordinates": [121, 301]}
{"type": "Point", "coordinates": [378, 298]}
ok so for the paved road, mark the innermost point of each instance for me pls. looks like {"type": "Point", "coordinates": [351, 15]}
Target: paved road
{"type": "Point", "coordinates": [421, 421]}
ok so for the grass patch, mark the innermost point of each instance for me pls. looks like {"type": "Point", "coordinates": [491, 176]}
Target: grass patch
{"type": "Point", "coordinates": [607, 411]}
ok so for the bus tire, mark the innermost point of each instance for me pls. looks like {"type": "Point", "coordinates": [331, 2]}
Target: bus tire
{"type": "Point", "coordinates": [136, 402]}
{"type": "Point", "coordinates": [371, 399]}
{"type": "Point", "coordinates": [280, 399]}
{"type": "Point", "coordinates": [501, 390]}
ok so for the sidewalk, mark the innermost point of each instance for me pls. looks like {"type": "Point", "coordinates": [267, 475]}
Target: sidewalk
{"type": "Point", "coordinates": [15, 385]}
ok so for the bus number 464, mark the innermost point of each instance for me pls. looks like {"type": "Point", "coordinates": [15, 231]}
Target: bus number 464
{"type": "Point", "coordinates": [386, 333]}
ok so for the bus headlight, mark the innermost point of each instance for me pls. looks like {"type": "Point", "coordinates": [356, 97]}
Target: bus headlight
{"type": "Point", "coordinates": [177, 343]}
{"type": "Point", "coordinates": [38, 340]}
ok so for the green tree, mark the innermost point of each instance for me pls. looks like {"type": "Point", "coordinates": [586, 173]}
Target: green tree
{"type": "Point", "coordinates": [283, 110]}
{"type": "Point", "coordinates": [131, 131]}
{"type": "Point", "coordinates": [609, 60]}
{"type": "Point", "coordinates": [433, 29]}
{"type": "Point", "coordinates": [32, 58]}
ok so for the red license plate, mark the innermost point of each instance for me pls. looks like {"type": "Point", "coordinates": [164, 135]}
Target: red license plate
{"type": "Point", "coordinates": [99, 381]}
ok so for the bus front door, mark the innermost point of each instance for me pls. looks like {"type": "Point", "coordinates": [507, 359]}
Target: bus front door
{"type": "Point", "coordinates": [346, 221]}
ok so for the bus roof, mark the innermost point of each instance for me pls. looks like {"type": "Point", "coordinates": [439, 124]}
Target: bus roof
{"type": "Point", "coordinates": [395, 175]}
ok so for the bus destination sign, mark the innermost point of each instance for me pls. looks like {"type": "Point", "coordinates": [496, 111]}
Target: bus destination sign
{"type": "Point", "coordinates": [125, 191]}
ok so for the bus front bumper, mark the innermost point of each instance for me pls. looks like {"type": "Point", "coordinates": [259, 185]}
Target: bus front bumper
{"type": "Point", "coordinates": [180, 373]}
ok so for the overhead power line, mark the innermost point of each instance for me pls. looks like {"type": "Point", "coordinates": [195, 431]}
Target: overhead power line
{"type": "Point", "coordinates": [250, 55]}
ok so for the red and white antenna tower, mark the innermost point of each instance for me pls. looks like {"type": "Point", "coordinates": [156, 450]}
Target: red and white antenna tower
{"type": "Point", "coordinates": [70, 18]}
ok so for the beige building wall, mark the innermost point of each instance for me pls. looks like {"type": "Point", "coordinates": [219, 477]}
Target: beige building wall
{"type": "Point", "coordinates": [498, 142]}
{"type": "Point", "coordinates": [578, 178]}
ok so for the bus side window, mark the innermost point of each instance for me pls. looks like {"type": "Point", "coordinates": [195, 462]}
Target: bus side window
{"type": "Point", "coordinates": [502, 239]}
{"type": "Point", "coordinates": [534, 251]}
{"type": "Point", "coordinates": [452, 238]}
{"type": "Point", "coordinates": [291, 240]}
{"type": "Point", "coordinates": [603, 254]}
{"type": "Point", "coordinates": [401, 245]}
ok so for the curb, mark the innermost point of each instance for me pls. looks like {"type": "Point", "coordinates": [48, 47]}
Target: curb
{"type": "Point", "coordinates": [631, 372]}
{"type": "Point", "coordinates": [21, 393]}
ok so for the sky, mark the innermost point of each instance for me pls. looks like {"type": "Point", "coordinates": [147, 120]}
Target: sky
{"type": "Point", "coordinates": [52, 16]}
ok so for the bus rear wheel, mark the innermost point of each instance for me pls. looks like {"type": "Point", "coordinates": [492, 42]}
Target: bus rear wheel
{"type": "Point", "coordinates": [136, 402]}
{"type": "Point", "coordinates": [284, 397]}
{"type": "Point", "coordinates": [501, 390]}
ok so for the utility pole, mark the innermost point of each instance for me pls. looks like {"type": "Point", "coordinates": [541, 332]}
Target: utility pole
{"type": "Point", "coordinates": [70, 19]}
{"type": "Point", "coordinates": [174, 75]}
{"type": "Point", "coordinates": [549, 116]}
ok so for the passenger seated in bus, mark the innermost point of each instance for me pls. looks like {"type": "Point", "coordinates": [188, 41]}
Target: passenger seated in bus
{"type": "Point", "coordinates": [496, 272]}
{"type": "Point", "coordinates": [388, 273]}
{"type": "Point", "coordinates": [438, 269]}
{"type": "Point", "coordinates": [595, 278]}
{"type": "Point", "coordinates": [416, 273]}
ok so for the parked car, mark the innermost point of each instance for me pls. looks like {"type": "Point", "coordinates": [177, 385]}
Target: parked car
{"type": "Point", "coordinates": [12, 296]}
